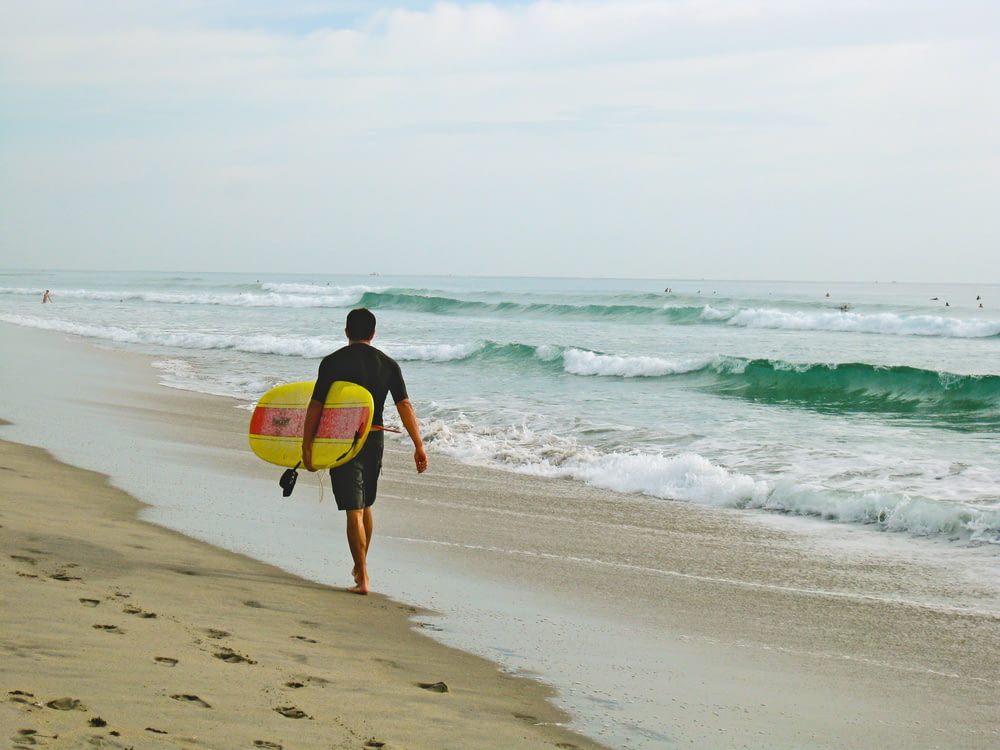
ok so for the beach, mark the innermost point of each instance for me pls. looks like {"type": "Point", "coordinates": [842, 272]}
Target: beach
{"type": "Point", "coordinates": [117, 633]}
{"type": "Point", "coordinates": [748, 633]}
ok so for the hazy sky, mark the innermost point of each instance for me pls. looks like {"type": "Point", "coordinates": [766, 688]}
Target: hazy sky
{"type": "Point", "coordinates": [767, 139]}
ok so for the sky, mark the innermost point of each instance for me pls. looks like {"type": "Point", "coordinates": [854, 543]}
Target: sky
{"type": "Point", "coordinates": [853, 140]}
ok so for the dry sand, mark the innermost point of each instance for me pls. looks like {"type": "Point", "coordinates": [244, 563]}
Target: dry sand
{"type": "Point", "coordinates": [117, 633]}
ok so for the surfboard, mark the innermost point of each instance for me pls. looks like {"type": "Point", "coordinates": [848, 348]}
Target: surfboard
{"type": "Point", "coordinates": [276, 425]}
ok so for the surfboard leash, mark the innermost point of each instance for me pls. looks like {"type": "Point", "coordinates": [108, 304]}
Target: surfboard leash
{"type": "Point", "coordinates": [357, 436]}
{"type": "Point", "coordinates": [288, 479]}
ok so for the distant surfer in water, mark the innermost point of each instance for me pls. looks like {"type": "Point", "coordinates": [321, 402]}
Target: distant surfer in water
{"type": "Point", "coordinates": [46, 297]}
{"type": "Point", "coordinates": [355, 483]}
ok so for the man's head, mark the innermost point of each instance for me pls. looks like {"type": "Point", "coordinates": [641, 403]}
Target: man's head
{"type": "Point", "coordinates": [360, 325]}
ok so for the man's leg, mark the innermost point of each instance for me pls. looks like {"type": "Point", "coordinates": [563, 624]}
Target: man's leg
{"type": "Point", "coordinates": [357, 540]}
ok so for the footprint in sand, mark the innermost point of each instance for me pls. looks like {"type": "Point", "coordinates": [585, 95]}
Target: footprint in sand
{"type": "Point", "coordinates": [24, 558]}
{"type": "Point", "coordinates": [90, 602]}
{"type": "Point", "coordinates": [62, 575]}
{"type": "Point", "coordinates": [434, 687]}
{"type": "Point", "coordinates": [303, 638]}
{"type": "Point", "coordinates": [21, 696]}
{"type": "Point", "coordinates": [267, 745]}
{"type": "Point", "coordinates": [109, 629]}
{"type": "Point", "coordinates": [133, 610]}
{"type": "Point", "coordinates": [301, 682]}
{"type": "Point", "coordinates": [191, 699]}
{"type": "Point", "coordinates": [166, 661]}
{"type": "Point", "coordinates": [24, 738]}
{"type": "Point", "coordinates": [213, 633]}
{"type": "Point", "coordinates": [67, 704]}
{"type": "Point", "coordinates": [253, 603]}
{"type": "Point", "coordinates": [374, 744]}
{"type": "Point", "coordinates": [30, 737]}
{"type": "Point", "coordinates": [292, 712]}
{"type": "Point", "coordinates": [231, 657]}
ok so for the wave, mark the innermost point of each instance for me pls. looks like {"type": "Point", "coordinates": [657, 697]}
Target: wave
{"type": "Point", "coordinates": [965, 402]}
{"type": "Point", "coordinates": [885, 323]}
{"type": "Point", "coordinates": [690, 477]}
{"type": "Point", "coordinates": [285, 345]}
{"type": "Point", "coordinates": [942, 399]}
{"type": "Point", "coordinates": [633, 308]}
{"type": "Point", "coordinates": [437, 304]}
{"type": "Point", "coordinates": [850, 322]}
{"type": "Point", "coordinates": [337, 297]}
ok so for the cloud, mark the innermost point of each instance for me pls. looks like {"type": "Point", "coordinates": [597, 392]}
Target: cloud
{"type": "Point", "coordinates": [728, 127]}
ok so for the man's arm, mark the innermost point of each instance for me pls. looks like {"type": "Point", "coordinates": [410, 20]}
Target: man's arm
{"type": "Point", "coordinates": [313, 414]}
{"type": "Point", "coordinates": [409, 419]}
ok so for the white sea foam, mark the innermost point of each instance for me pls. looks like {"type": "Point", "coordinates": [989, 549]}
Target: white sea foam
{"type": "Point", "coordinates": [891, 511]}
{"type": "Point", "coordinates": [711, 313]}
{"type": "Point", "coordinates": [690, 477]}
{"type": "Point", "coordinates": [330, 297]}
{"type": "Point", "coordinates": [881, 323]}
{"type": "Point", "coordinates": [580, 362]}
{"type": "Point", "coordinates": [353, 292]}
{"type": "Point", "coordinates": [430, 352]}
{"type": "Point", "coordinates": [182, 375]}
{"type": "Point", "coordinates": [294, 346]}
{"type": "Point", "coordinates": [687, 477]}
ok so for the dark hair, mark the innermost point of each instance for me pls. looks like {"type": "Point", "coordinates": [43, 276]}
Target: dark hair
{"type": "Point", "coordinates": [360, 324]}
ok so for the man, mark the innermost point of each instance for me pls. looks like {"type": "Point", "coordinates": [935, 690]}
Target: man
{"type": "Point", "coordinates": [355, 483]}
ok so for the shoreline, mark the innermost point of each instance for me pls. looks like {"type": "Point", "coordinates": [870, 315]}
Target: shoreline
{"type": "Point", "coordinates": [152, 637]}
{"type": "Point", "coordinates": [682, 624]}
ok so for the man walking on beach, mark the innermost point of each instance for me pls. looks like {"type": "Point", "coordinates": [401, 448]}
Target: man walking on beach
{"type": "Point", "coordinates": [355, 483]}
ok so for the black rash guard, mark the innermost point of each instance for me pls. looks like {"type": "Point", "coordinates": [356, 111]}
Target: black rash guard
{"type": "Point", "coordinates": [368, 367]}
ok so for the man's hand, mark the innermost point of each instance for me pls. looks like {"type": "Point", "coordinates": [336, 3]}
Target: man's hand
{"type": "Point", "coordinates": [412, 427]}
{"type": "Point", "coordinates": [313, 413]}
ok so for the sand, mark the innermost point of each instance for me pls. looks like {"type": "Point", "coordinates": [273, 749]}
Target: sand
{"type": "Point", "coordinates": [664, 625]}
{"type": "Point", "coordinates": [117, 633]}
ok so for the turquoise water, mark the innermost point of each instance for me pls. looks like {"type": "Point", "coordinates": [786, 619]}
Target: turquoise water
{"type": "Point", "coordinates": [872, 404]}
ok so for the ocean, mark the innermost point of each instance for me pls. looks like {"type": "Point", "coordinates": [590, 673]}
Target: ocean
{"type": "Point", "coordinates": [865, 412]}
{"type": "Point", "coordinates": [874, 404]}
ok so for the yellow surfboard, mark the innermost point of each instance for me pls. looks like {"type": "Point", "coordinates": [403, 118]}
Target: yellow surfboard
{"type": "Point", "coordinates": [277, 422]}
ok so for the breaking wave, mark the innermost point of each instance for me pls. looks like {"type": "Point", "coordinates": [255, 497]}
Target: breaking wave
{"type": "Point", "coordinates": [692, 478]}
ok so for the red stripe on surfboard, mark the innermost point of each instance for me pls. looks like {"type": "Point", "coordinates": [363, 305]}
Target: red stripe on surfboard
{"type": "Point", "coordinates": [335, 424]}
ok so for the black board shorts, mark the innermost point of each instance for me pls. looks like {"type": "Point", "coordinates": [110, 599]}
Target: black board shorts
{"type": "Point", "coordinates": [356, 482]}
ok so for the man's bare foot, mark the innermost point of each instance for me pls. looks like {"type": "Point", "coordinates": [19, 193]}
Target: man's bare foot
{"type": "Point", "coordinates": [360, 581]}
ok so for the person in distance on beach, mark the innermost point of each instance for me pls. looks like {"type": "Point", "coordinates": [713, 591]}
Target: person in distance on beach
{"type": "Point", "coordinates": [46, 297]}
{"type": "Point", "coordinates": [355, 483]}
